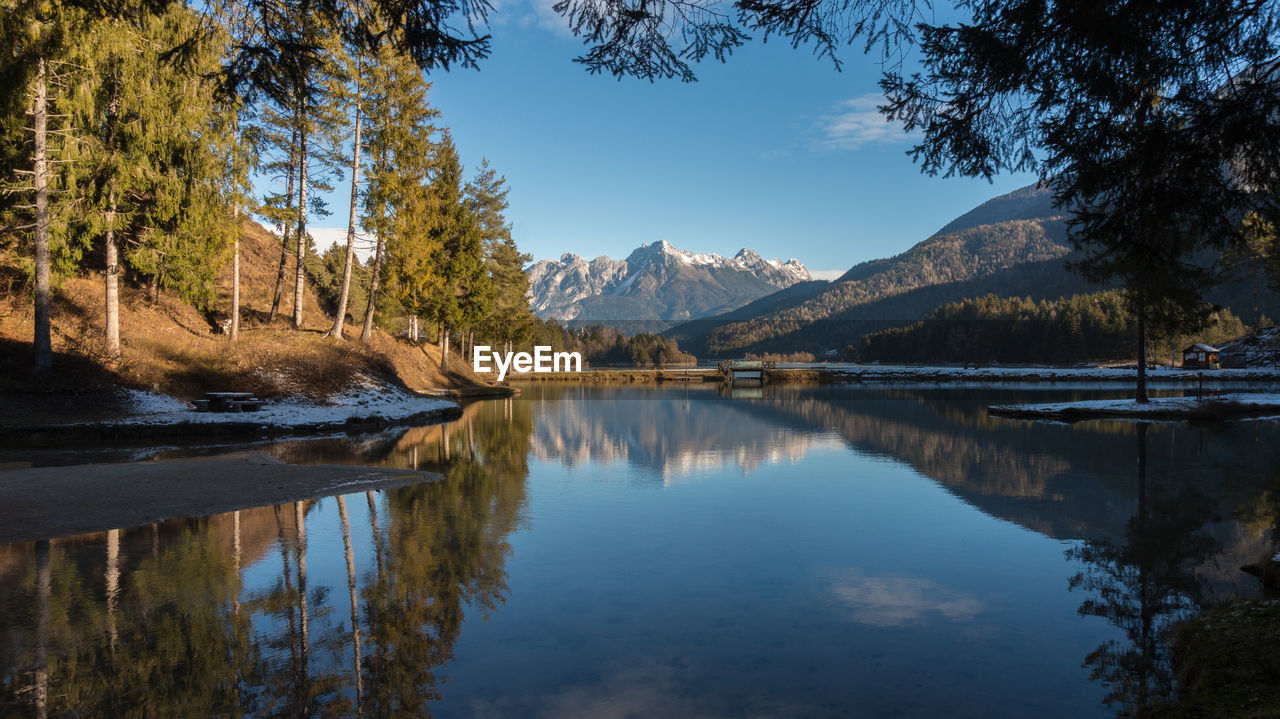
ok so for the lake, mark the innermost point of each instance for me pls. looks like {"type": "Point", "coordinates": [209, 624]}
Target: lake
{"type": "Point", "coordinates": [817, 551]}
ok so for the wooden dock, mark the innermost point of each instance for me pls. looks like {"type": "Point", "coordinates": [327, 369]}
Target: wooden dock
{"type": "Point", "coordinates": [746, 372]}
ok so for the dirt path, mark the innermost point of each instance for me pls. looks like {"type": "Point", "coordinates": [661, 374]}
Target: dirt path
{"type": "Point", "coordinates": [48, 502]}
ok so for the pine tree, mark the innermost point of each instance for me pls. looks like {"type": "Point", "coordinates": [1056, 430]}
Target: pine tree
{"type": "Point", "coordinates": [509, 321]}
{"type": "Point", "coordinates": [1256, 250]}
{"type": "Point", "coordinates": [160, 177]}
{"type": "Point", "coordinates": [277, 139]}
{"type": "Point", "coordinates": [289, 60]}
{"type": "Point", "coordinates": [38, 37]}
{"type": "Point", "coordinates": [156, 150]}
{"type": "Point", "coordinates": [356, 57]}
{"type": "Point", "coordinates": [462, 289]}
{"type": "Point", "coordinates": [241, 155]}
{"type": "Point", "coordinates": [402, 151]}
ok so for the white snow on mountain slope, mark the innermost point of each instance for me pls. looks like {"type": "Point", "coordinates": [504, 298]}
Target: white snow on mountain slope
{"type": "Point", "coordinates": [659, 280]}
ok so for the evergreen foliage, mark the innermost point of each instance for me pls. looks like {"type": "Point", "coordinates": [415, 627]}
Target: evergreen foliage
{"type": "Point", "coordinates": [1097, 326]}
{"type": "Point", "coordinates": [156, 123]}
{"type": "Point", "coordinates": [604, 345]}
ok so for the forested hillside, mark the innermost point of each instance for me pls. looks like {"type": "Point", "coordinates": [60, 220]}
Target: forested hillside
{"type": "Point", "coordinates": [861, 300]}
{"type": "Point", "coordinates": [1014, 245]}
{"type": "Point", "coordinates": [1094, 326]}
{"type": "Point", "coordinates": [169, 345]}
{"type": "Point", "coordinates": [136, 146]}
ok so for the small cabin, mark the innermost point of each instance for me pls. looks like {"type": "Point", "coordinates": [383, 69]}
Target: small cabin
{"type": "Point", "coordinates": [1201, 356]}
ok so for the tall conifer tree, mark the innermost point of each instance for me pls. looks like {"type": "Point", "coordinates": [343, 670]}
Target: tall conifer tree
{"type": "Point", "coordinates": [402, 149]}
{"type": "Point", "coordinates": [508, 319]}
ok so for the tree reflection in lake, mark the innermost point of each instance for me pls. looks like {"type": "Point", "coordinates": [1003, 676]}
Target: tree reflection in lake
{"type": "Point", "coordinates": [787, 549]}
{"type": "Point", "coordinates": [1142, 585]}
{"type": "Point", "coordinates": [242, 614]}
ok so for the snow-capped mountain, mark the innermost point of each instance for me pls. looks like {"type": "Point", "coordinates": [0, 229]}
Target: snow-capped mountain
{"type": "Point", "coordinates": [656, 283]}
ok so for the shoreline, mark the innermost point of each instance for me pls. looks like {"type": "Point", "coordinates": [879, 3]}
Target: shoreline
{"type": "Point", "coordinates": [819, 374]}
{"type": "Point", "coordinates": [155, 415]}
{"type": "Point", "coordinates": [100, 497]}
{"type": "Point", "coordinates": [1208, 409]}
{"type": "Point", "coordinates": [43, 435]}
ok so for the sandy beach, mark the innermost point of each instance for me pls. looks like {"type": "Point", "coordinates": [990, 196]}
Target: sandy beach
{"type": "Point", "coordinates": [47, 502]}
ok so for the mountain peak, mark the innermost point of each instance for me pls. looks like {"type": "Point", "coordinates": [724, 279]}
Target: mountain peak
{"type": "Point", "coordinates": [657, 281]}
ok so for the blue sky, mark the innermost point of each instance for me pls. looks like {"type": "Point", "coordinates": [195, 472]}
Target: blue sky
{"type": "Point", "coordinates": [774, 150]}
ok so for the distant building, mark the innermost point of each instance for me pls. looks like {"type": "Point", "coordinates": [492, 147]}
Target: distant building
{"type": "Point", "coordinates": [1201, 356]}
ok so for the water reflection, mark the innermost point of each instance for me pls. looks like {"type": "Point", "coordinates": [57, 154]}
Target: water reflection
{"type": "Point", "coordinates": [793, 550]}
{"type": "Point", "coordinates": [225, 615]}
{"type": "Point", "coordinates": [1143, 584]}
{"type": "Point", "coordinates": [891, 601]}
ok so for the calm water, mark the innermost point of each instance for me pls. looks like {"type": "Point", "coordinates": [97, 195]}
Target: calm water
{"type": "Point", "coordinates": [619, 552]}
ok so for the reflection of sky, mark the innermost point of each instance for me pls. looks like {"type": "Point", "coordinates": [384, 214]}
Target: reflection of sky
{"type": "Point", "coordinates": [734, 595]}
{"type": "Point", "coordinates": [891, 601]}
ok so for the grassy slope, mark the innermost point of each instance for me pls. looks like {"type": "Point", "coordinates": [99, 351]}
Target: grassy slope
{"type": "Point", "coordinates": [174, 348]}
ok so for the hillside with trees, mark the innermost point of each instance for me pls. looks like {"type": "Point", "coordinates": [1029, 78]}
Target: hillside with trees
{"type": "Point", "coordinates": [605, 345]}
{"type": "Point", "coordinates": [999, 248]}
{"type": "Point", "coordinates": [1097, 326]}
{"type": "Point", "coordinates": [992, 239]}
{"type": "Point", "coordinates": [138, 146]}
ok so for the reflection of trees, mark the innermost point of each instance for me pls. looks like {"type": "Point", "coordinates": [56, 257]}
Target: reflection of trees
{"type": "Point", "coordinates": [156, 622]}
{"type": "Point", "coordinates": [87, 647]}
{"type": "Point", "coordinates": [1142, 585]}
{"type": "Point", "coordinates": [443, 547]}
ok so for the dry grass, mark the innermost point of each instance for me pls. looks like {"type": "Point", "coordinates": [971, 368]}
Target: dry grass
{"type": "Point", "coordinates": [172, 347]}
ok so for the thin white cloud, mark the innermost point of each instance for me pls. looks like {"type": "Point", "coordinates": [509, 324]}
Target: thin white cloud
{"type": "Point", "coordinates": [530, 13]}
{"type": "Point", "coordinates": [858, 122]}
{"type": "Point", "coordinates": [892, 601]}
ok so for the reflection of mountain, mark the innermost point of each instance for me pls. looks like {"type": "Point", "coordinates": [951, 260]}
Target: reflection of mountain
{"type": "Point", "coordinates": [1036, 475]}
{"type": "Point", "coordinates": [674, 436]}
{"type": "Point", "coordinates": [1063, 481]}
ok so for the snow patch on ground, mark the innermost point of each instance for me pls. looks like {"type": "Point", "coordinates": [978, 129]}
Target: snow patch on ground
{"type": "Point", "coordinates": [1055, 373]}
{"type": "Point", "coordinates": [1130, 407]}
{"type": "Point", "coordinates": [369, 399]}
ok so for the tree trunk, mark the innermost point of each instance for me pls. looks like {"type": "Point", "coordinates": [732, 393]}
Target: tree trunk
{"type": "Point", "coordinates": [112, 279]}
{"type": "Point", "coordinates": [278, 295]}
{"type": "Point", "coordinates": [43, 335]}
{"type": "Point", "coordinates": [336, 330]}
{"type": "Point", "coordinates": [299, 281]}
{"type": "Point", "coordinates": [235, 556]}
{"type": "Point", "coordinates": [304, 616]}
{"type": "Point", "coordinates": [112, 580]}
{"type": "Point", "coordinates": [1257, 321]}
{"type": "Point", "coordinates": [44, 592]}
{"type": "Point", "coordinates": [153, 289]}
{"type": "Point", "coordinates": [1141, 394]}
{"type": "Point", "coordinates": [444, 349]}
{"type": "Point", "coordinates": [235, 277]}
{"type": "Point", "coordinates": [357, 670]}
{"type": "Point", "coordinates": [367, 331]}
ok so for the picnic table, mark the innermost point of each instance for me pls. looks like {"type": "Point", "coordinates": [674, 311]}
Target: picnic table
{"type": "Point", "coordinates": [228, 402]}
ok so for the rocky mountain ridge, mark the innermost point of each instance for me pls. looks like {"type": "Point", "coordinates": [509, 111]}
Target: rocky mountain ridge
{"type": "Point", "coordinates": [657, 282]}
